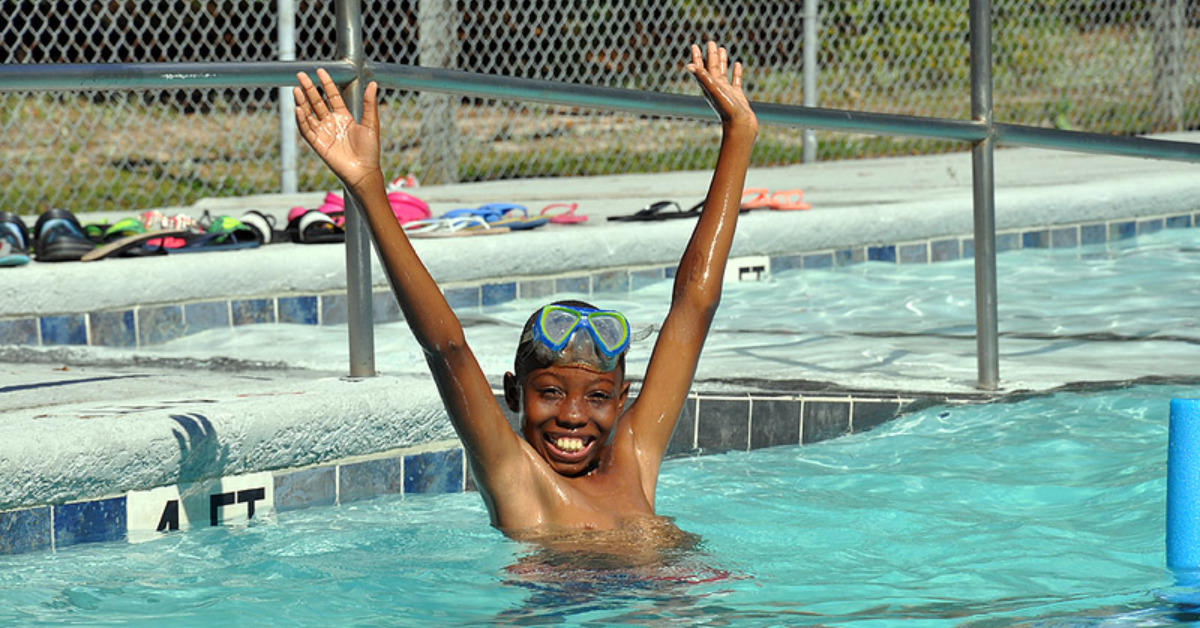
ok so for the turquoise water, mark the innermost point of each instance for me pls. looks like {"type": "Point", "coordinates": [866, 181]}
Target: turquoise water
{"type": "Point", "coordinates": [1098, 313]}
{"type": "Point", "coordinates": [1047, 512]}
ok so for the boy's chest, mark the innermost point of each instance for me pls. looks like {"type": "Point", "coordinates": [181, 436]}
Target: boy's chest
{"type": "Point", "coordinates": [599, 501]}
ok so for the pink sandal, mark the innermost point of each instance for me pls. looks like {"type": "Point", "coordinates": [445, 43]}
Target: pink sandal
{"type": "Point", "coordinates": [565, 217]}
{"type": "Point", "coordinates": [407, 208]}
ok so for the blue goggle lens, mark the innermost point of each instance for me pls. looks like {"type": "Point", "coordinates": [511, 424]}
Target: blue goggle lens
{"type": "Point", "coordinates": [557, 323]}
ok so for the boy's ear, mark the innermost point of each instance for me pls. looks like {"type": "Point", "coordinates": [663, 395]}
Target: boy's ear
{"type": "Point", "coordinates": [624, 393]}
{"type": "Point", "coordinates": [512, 392]}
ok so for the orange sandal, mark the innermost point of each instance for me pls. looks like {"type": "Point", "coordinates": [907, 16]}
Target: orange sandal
{"type": "Point", "coordinates": [788, 200]}
{"type": "Point", "coordinates": [759, 199]}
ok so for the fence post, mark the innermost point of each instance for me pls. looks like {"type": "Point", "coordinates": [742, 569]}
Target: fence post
{"type": "Point", "coordinates": [984, 196]}
{"type": "Point", "coordinates": [437, 21]}
{"type": "Point", "coordinates": [360, 320]}
{"type": "Point", "coordinates": [1168, 21]}
{"type": "Point", "coordinates": [809, 141]}
{"type": "Point", "coordinates": [287, 104]}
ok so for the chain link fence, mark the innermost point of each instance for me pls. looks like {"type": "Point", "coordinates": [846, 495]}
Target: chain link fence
{"type": "Point", "coordinates": [1109, 66]}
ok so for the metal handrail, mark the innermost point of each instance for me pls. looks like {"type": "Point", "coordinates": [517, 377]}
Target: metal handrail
{"type": "Point", "coordinates": [353, 71]}
{"type": "Point", "coordinates": [86, 77]}
{"type": "Point", "coordinates": [102, 76]}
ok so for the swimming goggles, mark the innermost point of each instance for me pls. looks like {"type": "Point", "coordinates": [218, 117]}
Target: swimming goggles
{"type": "Point", "coordinates": [558, 331]}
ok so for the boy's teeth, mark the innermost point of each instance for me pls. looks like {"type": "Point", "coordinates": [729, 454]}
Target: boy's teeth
{"type": "Point", "coordinates": [569, 444]}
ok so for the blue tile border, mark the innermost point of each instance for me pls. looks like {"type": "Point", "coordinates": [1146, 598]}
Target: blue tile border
{"type": "Point", "coordinates": [302, 310]}
{"type": "Point", "coordinates": [944, 250]}
{"type": "Point", "coordinates": [20, 331]}
{"type": "Point", "coordinates": [885, 253]}
{"type": "Point", "coordinates": [1093, 234]}
{"type": "Point", "coordinates": [1064, 238]}
{"type": "Point", "coordinates": [818, 260]}
{"type": "Point", "coordinates": [579, 284]}
{"type": "Point", "coordinates": [306, 488]}
{"type": "Point", "coordinates": [370, 478]}
{"type": "Point", "coordinates": [914, 253]}
{"type": "Point", "coordinates": [113, 329]}
{"type": "Point", "coordinates": [434, 472]}
{"type": "Point", "coordinates": [25, 530]}
{"type": "Point", "coordinates": [251, 311]}
{"type": "Point", "coordinates": [89, 522]}
{"type": "Point", "coordinates": [460, 298]}
{"type": "Point", "coordinates": [384, 308]}
{"type": "Point", "coordinates": [781, 263]}
{"type": "Point", "coordinates": [70, 329]}
{"type": "Point", "coordinates": [1008, 242]}
{"type": "Point", "coordinates": [497, 293]}
{"type": "Point", "coordinates": [1179, 222]}
{"type": "Point", "coordinates": [159, 324]}
{"type": "Point", "coordinates": [206, 315]}
{"type": "Point", "coordinates": [334, 309]}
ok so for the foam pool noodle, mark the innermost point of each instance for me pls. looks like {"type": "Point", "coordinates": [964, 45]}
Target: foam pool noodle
{"type": "Point", "coordinates": [1183, 493]}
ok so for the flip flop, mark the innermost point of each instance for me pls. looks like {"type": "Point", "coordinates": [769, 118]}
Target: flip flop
{"type": "Point", "coordinates": [224, 233]}
{"type": "Point", "coordinates": [490, 212]}
{"type": "Point", "coordinates": [451, 227]}
{"type": "Point", "coordinates": [154, 220]}
{"type": "Point", "coordinates": [520, 223]}
{"type": "Point", "coordinates": [14, 240]}
{"type": "Point", "coordinates": [657, 211]}
{"type": "Point", "coordinates": [759, 199]}
{"type": "Point", "coordinates": [263, 226]}
{"type": "Point", "coordinates": [788, 200]}
{"type": "Point", "coordinates": [315, 227]}
{"type": "Point", "coordinates": [567, 217]}
{"type": "Point", "coordinates": [407, 208]}
{"type": "Point", "coordinates": [58, 237]}
{"type": "Point", "coordinates": [137, 244]}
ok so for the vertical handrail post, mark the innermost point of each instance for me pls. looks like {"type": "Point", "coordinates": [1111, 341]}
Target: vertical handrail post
{"type": "Point", "coordinates": [984, 197]}
{"type": "Point", "coordinates": [286, 34]}
{"type": "Point", "coordinates": [359, 314]}
{"type": "Point", "coordinates": [809, 139]}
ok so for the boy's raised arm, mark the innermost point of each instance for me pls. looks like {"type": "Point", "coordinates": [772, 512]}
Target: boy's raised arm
{"type": "Point", "coordinates": [351, 150]}
{"type": "Point", "coordinates": [701, 271]}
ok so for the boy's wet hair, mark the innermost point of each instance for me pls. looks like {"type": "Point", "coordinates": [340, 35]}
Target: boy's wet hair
{"type": "Point", "coordinates": [529, 360]}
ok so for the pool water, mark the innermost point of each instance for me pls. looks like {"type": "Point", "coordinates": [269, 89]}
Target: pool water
{"type": "Point", "coordinates": [1098, 313]}
{"type": "Point", "coordinates": [1046, 512]}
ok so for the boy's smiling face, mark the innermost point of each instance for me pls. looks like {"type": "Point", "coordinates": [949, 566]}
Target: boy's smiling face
{"type": "Point", "coordinates": [569, 413]}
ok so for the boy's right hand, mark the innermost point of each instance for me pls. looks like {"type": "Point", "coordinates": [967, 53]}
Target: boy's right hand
{"type": "Point", "coordinates": [350, 148]}
{"type": "Point", "coordinates": [726, 97]}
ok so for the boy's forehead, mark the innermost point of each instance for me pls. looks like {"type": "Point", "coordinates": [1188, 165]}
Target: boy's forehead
{"type": "Point", "coordinates": [574, 370]}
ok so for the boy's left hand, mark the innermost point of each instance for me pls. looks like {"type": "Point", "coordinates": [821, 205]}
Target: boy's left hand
{"type": "Point", "coordinates": [726, 97]}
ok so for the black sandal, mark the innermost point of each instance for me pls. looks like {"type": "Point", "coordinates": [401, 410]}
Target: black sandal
{"type": "Point", "coordinates": [656, 211]}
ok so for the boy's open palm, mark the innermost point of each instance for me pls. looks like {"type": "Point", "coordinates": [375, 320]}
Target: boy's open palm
{"type": "Point", "coordinates": [350, 148]}
{"type": "Point", "coordinates": [711, 69]}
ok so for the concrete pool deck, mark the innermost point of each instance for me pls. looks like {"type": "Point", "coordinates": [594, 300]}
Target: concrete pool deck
{"type": "Point", "coordinates": [77, 424]}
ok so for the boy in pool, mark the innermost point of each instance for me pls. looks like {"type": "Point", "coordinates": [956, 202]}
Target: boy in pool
{"type": "Point", "coordinates": [586, 461]}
